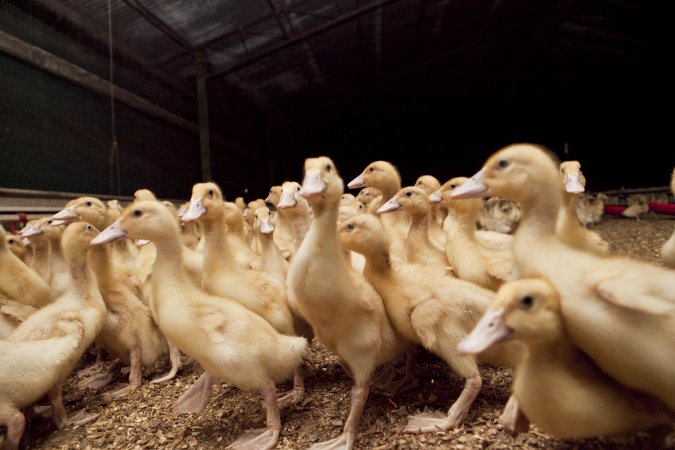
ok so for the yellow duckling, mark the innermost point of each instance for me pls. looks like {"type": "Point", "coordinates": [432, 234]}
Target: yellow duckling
{"type": "Point", "coordinates": [568, 227]}
{"type": "Point", "coordinates": [232, 343]}
{"type": "Point", "coordinates": [345, 311]}
{"type": "Point", "coordinates": [29, 369]}
{"type": "Point", "coordinates": [273, 261]}
{"type": "Point", "coordinates": [428, 308]}
{"type": "Point", "coordinates": [15, 245]}
{"type": "Point", "coordinates": [617, 310]}
{"type": "Point", "coordinates": [18, 282]}
{"type": "Point", "coordinates": [430, 184]}
{"type": "Point", "coordinates": [557, 386]}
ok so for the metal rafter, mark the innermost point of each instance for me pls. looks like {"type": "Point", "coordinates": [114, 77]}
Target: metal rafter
{"type": "Point", "coordinates": [301, 37]}
{"type": "Point", "coordinates": [157, 23]}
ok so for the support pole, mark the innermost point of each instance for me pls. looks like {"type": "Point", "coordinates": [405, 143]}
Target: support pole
{"type": "Point", "coordinates": [203, 105]}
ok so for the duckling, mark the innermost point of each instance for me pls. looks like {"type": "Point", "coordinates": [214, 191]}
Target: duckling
{"type": "Point", "coordinates": [430, 184]}
{"type": "Point", "coordinates": [591, 208]}
{"type": "Point", "coordinates": [15, 245]}
{"type": "Point", "coordinates": [368, 194]}
{"type": "Point", "coordinates": [618, 310]}
{"type": "Point", "coordinates": [425, 241]}
{"type": "Point", "coordinates": [81, 302]}
{"type": "Point", "coordinates": [236, 238]}
{"type": "Point", "coordinates": [231, 342]}
{"type": "Point", "coordinates": [129, 332]}
{"type": "Point", "coordinates": [638, 205]}
{"type": "Point", "coordinates": [568, 227]}
{"type": "Point", "coordinates": [248, 217]}
{"type": "Point", "coordinates": [113, 210]}
{"type": "Point", "coordinates": [470, 260]}
{"type": "Point", "coordinates": [295, 210]}
{"type": "Point", "coordinates": [18, 282]}
{"type": "Point", "coordinates": [273, 261]}
{"type": "Point", "coordinates": [58, 273]}
{"type": "Point", "coordinates": [28, 370]}
{"type": "Point", "coordinates": [428, 308]}
{"type": "Point", "coordinates": [499, 214]}
{"type": "Point", "coordinates": [256, 290]}
{"type": "Point", "coordinates": [39, 244]}
{"type": "Point", "coordinates": [557, 386]}
{"type": "Point", "coordinates": [344, 310]}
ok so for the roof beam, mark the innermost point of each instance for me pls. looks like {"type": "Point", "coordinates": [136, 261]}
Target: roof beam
{"type": "Point", "coordinates": [157, 23]}
{"type": "Point", "coordinates": [64, 69]}
{"type": "Point", "coordinates": [300, 38]}
{"type": "Point", "coordinates": [101, 36]}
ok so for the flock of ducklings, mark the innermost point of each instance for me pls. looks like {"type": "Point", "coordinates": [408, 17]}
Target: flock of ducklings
{"type": "Point", "coordinates": [515, 281]}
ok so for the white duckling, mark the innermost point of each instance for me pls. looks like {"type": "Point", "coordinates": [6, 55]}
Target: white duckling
{"type": "Point", "coordinates": [80, 302]}
{"type": "Point", "coordinates": [637, 205]}
{"type": "Point", "coordinates": [232, 343]}
{"type": "Point", "coordinates": [618, 310]}
{"type": "Point", "coordinates": [256, 290]}
{"type": "Point", "coordinates": [18, 282]}
{"type": "Point", "coordinates": [568, 227]}
{"type": "Point", "coordinates": [29, 369]}
{"type": "Point", "coordinates": [344, 310]}
{"type": "Point", "coordinates": [428, 308]}
{"type": "Point", "coordinates": [557, 386]}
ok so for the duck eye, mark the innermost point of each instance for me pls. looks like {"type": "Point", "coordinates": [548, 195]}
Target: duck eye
{"type": "Point", "coordinates": [371, 169]}
{"type": "Point", "coordinates": [88, 204]}
{"type": "Point", "coordinates": [211, 193]}
{"type": "Point", "coordinates": [526, 302]}
{"type": "Point", "coordinates": [408, 194]}
{"type": "Point", "coordinates": [88, 227]}
{"type": "Point", "coordinates": [452, 186]}
{"type": "Point", "coordinates": [137, 213]}
{"type": "Point", "coordinates": [350, 226]}
{"type": "Point", "coordinates": [502, 163]}
{"type": "Point", "coordinates": [49, 221]}
{"type": "Point", "coordinates": [328, 168]}
{"type": "Point", "coordinates": [11, 241]}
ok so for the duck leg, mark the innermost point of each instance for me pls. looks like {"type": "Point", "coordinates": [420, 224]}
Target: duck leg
{"type": "Point", "coordinates": [102, 379]}
{"type": "Point", "coordinates": [346, 439]}
{"type": "Point", "coordinates": [197, 397]}
{"type": "Point", "coordinates": [135, 377]}
{"type": "Point", "coordinates": [513, 419]}
{"type": "Point", "coordinates": [176, 364]}
{"type": "Point", "coordinates": [16, 424]}
{"type": "Point", "coordinates": [296, 394]}
{"type": "Point", "coordinates": [60, 417]}
{"type": "Point", "coordinates": [392, 387]}
{"type": "Point", "coordinates": [263, 438]}
{"type": "Point", "coordinates": [432, 422]}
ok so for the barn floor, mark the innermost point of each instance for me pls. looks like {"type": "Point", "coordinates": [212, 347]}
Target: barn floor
{"type": "Point", "coordinates": [145, 421]}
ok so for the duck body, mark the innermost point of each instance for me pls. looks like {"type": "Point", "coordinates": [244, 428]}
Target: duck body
{"type": "Point", "coordinates": [556, 385]}
{"type": "Point", "coordinates": [618, 310]}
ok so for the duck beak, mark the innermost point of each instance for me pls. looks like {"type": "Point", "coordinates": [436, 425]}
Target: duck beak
{"type": "Point", "coordinates": [391, 205]}
{"type": "Point", "coordinates": [266, 227]}
{"type": "Point", "coordinates": [435, 197]}
{"type": "Point", "coordinates": [31, 230]}
{"type": "Point", "coordinates": [195, 211]}
{"type": "Point", "coordinates": [313, 184]}
{"type": "Point", "coordinates": [287, 200]}
{"type": "Point", "coordinates": [573, 185]}
{"type": "Point", "coordinates": [111, 233]}
{"type": "Point", "coordinates": [490, 330]}
{"type": "Point", "coordinates": [475, 187]}
{"type": "Point", "coordinates": [357, 182]}
{"type": "Point", "coordinates": [66, 215]}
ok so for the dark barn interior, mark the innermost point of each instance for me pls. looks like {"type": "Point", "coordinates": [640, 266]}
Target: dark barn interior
{"type": "Point", "coordinates": [433, 86]}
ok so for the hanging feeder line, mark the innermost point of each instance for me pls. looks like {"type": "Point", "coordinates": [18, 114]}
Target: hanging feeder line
{"type": "Point", "coordinates": [114, 150]}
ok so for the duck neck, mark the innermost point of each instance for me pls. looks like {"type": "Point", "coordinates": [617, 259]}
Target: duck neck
{"type": "Point", "coordinates": [99, 259]}
{"type": "Point", "coordinates": [378, 263]}
{"type": "Point", "coordinates": [82, 275]}
{"type": "Point", "coordinates": [40, 261]}
{"type": "Point", "coordinates": [168, 263]}
{"type": "Point", "coordinates": [540, 213]}
{"type": "Point", "coordinates": [323, 228]}
{"type": "Point", "coordinates": [55, 251]}
{"type": "Point", "coordinates": [216, 250]}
